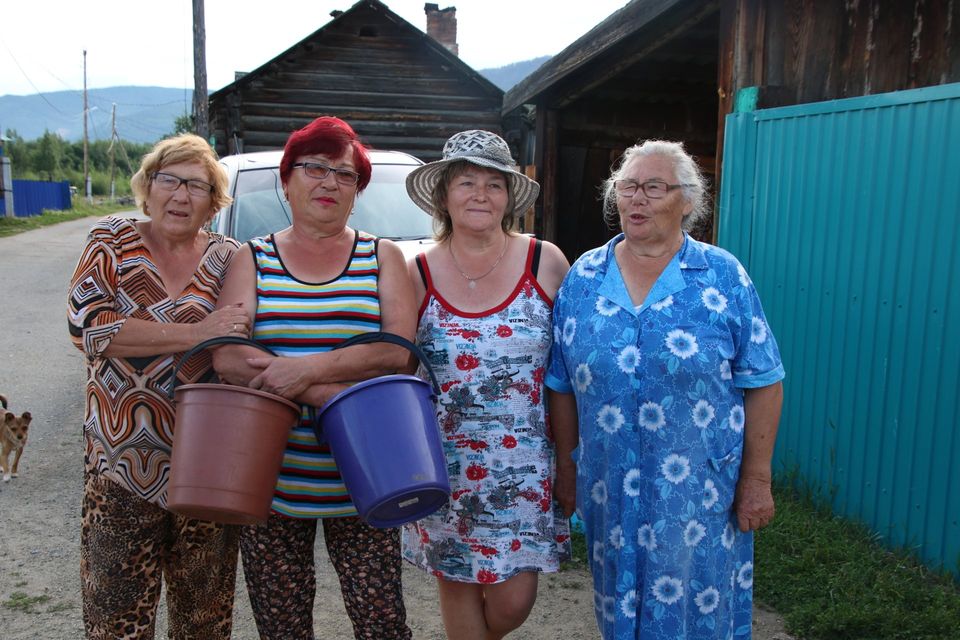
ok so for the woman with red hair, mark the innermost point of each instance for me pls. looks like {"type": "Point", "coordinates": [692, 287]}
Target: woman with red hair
{"type": "Point", "coordinates": [306, 289]}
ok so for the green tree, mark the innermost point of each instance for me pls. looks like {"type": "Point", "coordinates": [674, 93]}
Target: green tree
{"type": "Point", "coordinates": [183, 124]}
{"type": "Point", "coordinates": [48, 155]}
{"type": "Point", "coordinates": [17, 150]}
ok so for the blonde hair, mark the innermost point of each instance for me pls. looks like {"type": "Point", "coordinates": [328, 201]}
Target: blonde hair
{"type": "Point", "coordinates": [186, 147]}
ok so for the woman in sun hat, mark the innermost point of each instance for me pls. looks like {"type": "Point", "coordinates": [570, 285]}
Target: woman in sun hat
{"type": "Point", "coordinates": [485, 297]}
{"type": "Point", "coordinates": [664, 362]}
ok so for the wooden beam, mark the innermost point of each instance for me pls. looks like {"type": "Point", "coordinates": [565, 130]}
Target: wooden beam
{"type": "Point", "coordinates": [548, 145]}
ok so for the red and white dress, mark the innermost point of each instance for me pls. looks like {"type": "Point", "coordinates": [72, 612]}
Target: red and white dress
{"type": "Point", "coordinates": [501, 518]}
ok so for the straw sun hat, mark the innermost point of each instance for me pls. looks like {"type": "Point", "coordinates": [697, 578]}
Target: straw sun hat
{"type": "Point", "coordinates": [482, 148]}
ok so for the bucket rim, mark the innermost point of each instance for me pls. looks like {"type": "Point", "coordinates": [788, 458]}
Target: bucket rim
{"type": "Point", "coordinates": [214, 386]}
{"type": "Point", "coordinates": [394, 377]}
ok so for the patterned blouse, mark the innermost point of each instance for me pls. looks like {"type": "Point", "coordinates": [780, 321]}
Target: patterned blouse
{"type": "Point", "coordinates": [128, 423]}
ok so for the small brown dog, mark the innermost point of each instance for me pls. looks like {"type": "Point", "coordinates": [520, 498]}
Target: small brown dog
{"type": "Point", "coordinates": [13, 438]}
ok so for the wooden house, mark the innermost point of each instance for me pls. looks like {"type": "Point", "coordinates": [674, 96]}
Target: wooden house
{"type": "Point", "coordinates": [400, 88]}
{"type": "Point", "coordinates": [673, 69]}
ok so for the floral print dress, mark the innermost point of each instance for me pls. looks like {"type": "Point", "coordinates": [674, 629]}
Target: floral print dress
{"type": "Point", "coordinates": [501, 518]}
{"type": "Point", "coordinates": [659, 391]}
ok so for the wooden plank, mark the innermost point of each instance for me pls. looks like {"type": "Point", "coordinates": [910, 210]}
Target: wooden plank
{"type": "Point", "coordinates": [487, 118]}
{"type": "Point", "coordinates": [317, 79]}
{"type": "Point", "coordinates": [889, 47]}
{"type": "Point", "coordinates": [930, 43]}
{"type": "Point", "coordinates": [853, 51]}
{"type": "Point", "coordinates": [817, 59]}
{"type": "Point", "coordinates": [725, 79]}
{"type": "Point", "coordinates": [405, 101]}
{"type": "Point", "coordinates": [253, 124]}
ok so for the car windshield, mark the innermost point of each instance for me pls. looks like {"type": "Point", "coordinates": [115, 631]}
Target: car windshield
{"type": "Point", "coordinates": [383, 209]}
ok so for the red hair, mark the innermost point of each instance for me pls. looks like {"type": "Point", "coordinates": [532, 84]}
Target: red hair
{"type": "Point", "coordinates": [327, 136]}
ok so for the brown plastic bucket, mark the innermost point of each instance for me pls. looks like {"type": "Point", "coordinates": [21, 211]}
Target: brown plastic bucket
{"type": "Point", "coordinates": [228, 445]}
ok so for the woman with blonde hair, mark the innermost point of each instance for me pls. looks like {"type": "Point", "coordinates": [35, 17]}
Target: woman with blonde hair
{"type": "Point", "coordinates": [144, 292]}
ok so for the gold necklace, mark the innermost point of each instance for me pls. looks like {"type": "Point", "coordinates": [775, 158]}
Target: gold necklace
{"type": "Point", "coordinates": [472, 282]}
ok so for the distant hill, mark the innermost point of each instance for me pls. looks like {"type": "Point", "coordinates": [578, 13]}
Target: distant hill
{"type": "Point", "coordinates": [509, 75]}
{"type": "Point", "coordinates": [144, 114]}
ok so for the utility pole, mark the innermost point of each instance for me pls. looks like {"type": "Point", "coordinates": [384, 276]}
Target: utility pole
{"type": "Point", "coordinates": [201, 125]}
{"type": "Point", "coordinates": [114, 139]}
{"type": "Point", "coordinates": [86, 154]}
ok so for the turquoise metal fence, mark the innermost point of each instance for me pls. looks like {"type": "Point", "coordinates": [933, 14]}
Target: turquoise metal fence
{"type": "Point", "coordinates": [847, 216]}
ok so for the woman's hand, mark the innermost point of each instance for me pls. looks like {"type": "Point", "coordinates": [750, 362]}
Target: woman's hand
{"type": "Point", "coordinates": [753, 503]}
{"type": "Point", "coordinates": [231, 320]}
{"type": "Point", "coordinates": [287, 377]}
{"type": "Point", "coordinates": [565, 490]}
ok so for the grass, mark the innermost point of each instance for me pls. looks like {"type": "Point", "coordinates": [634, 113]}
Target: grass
{"type": "Point", "coordinates": [81, 209]}
{"type": "Point", "coordinates": [829, 578]}
{"type": "Point", "coordinates": [20, 601]}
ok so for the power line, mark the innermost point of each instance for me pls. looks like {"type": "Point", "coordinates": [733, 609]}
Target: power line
{"type": "Point", "coordinates": [17, 62]}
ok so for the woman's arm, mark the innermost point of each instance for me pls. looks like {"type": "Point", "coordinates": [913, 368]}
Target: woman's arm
{"type": "Point", "coordinates": [101, 331]}
{"type": "Point", "coordinates": [292, 377]}
{"type": "Point", "coordinates": [239, 291]}
{"type": "Point", "coordinates": [753, 503]}
{"type": "Point", "coordinates": [419, 288]}
{"type": "Point", "coordinates": [565, 425]}
{"type": "Point", "coordinates": [145, 338]}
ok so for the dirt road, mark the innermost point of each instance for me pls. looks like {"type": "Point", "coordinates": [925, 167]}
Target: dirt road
{"type": "Point", "coordinates": [41, 372]}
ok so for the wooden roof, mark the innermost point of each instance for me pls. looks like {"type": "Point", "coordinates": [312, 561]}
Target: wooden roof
{"type": "Point", "coordinates": [397, 86]}
{"type": "Point", "coordinates": [643, 31]}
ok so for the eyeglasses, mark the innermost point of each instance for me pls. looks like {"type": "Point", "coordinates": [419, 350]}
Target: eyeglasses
{"type": "Point", "coordinates": [320, 171]}
{"type": "Point", "coordinates": [170, 182]}
{"type": "Point", "coordinates": [653, 189]}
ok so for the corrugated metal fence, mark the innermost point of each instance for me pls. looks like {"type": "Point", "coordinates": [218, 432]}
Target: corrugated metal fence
{"type": "Point", "coordinates": [847, 215]}
{"type": "Point", "coordinates": [31, 197]}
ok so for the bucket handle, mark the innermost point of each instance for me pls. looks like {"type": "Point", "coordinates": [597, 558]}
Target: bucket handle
{"type": "Point", "coordinates": [392, 338]}
{"type": "Point", "coordinates": [210, 343]}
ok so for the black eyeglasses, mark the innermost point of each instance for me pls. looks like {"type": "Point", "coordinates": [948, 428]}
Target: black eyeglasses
{"type": "Point", "coordinates": [170, 182]}
{"type": "Point", "coordinates": [653, 189]}
{"type": "Point", "coordinates": [320, 171]}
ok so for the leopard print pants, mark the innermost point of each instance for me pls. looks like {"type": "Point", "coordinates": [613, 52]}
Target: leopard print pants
{"type": "Point", "coordinates": [278, 564]}
{"type": "Point", "coordinates": [127, 545]}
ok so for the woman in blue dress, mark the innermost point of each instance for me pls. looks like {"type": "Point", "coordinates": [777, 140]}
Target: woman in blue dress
{"type": "Point", "coordinates": [666, 377]}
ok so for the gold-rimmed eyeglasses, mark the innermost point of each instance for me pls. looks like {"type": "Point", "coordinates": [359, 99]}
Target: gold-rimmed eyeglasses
{"type": "Point", "coordinates": [170, 182]}
{"type": "Point", "coordinates": [653, 189]}
{"type": "Point", "coordinates": [320, 171]}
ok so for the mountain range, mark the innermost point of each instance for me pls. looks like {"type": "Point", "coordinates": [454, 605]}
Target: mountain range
{"type": "Point", "coordinates": [143, 114]}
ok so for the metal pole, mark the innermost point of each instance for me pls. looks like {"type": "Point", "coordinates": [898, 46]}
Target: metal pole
{"type": "Point", "coordinates": [7, 181]}
{"type": "Point", "coordinates": [86, 154]}
{"type": "Point", "coordinates": [201, 124]}
{"type": "Point", "coordinates": [114, 138]}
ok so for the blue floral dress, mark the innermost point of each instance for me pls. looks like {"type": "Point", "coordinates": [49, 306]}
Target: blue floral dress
{"type": "Point", "coordinates": [659, 391]}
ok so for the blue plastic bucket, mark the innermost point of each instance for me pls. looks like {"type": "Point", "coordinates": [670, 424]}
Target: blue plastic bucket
{"type": "Point", "coordinates": [384, 436]}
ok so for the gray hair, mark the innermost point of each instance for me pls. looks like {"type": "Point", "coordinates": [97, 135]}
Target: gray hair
{"type": "Point", "coordinates": [684, 167]}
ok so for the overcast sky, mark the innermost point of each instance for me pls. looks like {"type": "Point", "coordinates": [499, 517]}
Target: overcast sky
{"type": "Point", "coordinates": [131, 42]}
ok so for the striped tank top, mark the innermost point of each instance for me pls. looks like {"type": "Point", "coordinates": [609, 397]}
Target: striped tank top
{"type": "Point", "coordinates": [296, 318]}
